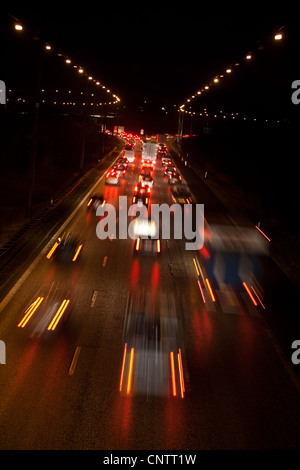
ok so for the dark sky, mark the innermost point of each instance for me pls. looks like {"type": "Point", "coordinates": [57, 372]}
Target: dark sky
{"type": "Point", "coordinates": [160, 53]}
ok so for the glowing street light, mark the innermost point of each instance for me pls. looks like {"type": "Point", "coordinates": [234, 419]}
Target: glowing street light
{"type": "Point", "coordinates": [18, 27]}
{"type": "Point", "coordinates": [278, 36]}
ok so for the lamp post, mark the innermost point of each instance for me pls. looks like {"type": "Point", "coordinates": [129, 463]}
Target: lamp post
{"type": "Point", "coordinates": [180, 125]}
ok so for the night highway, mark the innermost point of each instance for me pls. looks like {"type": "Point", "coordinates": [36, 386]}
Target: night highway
{"type": "Point", "coordinates": [122, 331]}
{"type": "Point", "coordinates": [60, 389]}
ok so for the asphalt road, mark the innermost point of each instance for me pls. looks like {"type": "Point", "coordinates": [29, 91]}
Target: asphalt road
{"type": "Point", "coordinates": [60, 389]}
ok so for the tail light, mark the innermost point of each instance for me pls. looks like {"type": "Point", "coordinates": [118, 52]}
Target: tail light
{"type": "Point", "coordinates": [138, 242]}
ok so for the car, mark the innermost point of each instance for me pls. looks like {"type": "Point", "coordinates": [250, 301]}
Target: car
{"type": "Point", "coordinates": [113, 177]}
{"type": "Point", "coordinates": [148, 161]}
{"type": "Point", "coordinates": [147, 168]}
{"type": "Point", "coordinates": [130, 156]}
{"type": "Point", "coordinates": [162, 149]}
{"type": "Point", "coordinates": [130, 145]}
{"type": "Point", "coordinates": [147, 239]}
{"type": "Point", "coordinates": [147, 246]}
{"type": "Point", "coordinates": [168, 171]}
{"type": "Point", "coordinates": [166, 161]}
{"type": "Point", "coordinates": [49, 308]}
{"type": "Point", "coordinates": [120, 168]}
{"type": "Point", "coordinates": [181, 195]}
{"type": "Point", "coordinates": [141, 200]}
{"type": "Point", "coordinates": [153, 357]}
{"type": "Point", "coordinates": [95, 201]}
{"type": "Point", "coordinates": [147, 180]}
{"type": "Point", "coordinates": [66, 248]}
{"type": "Point", "coordinates": [174, 178]}
{"type": "Point", "coordinates": [142, 187]}
{"type": "Point", "coordinates": [123, 161]}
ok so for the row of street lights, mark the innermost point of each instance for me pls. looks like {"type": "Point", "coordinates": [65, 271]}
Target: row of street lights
{"type": "Point", "coordinates": [115, 99]}
{"type": "Point", "coordinates": [216, 80]}
{"type": "Point", "coordinates": [277, 37]}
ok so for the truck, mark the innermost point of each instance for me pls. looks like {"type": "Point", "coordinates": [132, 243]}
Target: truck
{"type": "Point", "coordinates": [231, 264]}
{"type": "Point", "coordinates": [149, 151]}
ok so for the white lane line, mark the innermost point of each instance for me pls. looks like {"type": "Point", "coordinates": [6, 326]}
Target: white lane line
{"type": "Point", "coordinates": [74, 361]}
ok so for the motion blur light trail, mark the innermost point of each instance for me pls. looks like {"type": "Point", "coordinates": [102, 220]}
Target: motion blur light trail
{"type": "Point", "coordinates": [154, 336]}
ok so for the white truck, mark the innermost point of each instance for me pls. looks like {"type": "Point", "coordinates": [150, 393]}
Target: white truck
{"type": "Point", "coordinates": [150, 151]}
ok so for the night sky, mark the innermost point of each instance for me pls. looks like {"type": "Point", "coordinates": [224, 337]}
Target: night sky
{"type": "Point", "coordinates": [155, 56]}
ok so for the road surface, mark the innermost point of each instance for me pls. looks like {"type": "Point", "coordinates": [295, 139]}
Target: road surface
{"type": "Point", "coordinates": [59, 389]}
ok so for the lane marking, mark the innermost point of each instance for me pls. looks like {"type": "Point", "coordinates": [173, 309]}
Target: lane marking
{"type": "Point", "coordinates": [94, 298]}
{"type": "Point", "coordinates": [104, 261]}
{"type": "Point", "coordinates": [74, 361]}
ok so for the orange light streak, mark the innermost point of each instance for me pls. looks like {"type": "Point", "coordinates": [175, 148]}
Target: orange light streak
{"type": "Point", "coordinates": [210, 290]}
{"type": "Point", "coordinates": [130, 371]}
{"type": "Point", "coordinates": [249, 293]}
{"type": "Point", "coordinates": [158, 245]}
{"type": "Point", "coordinates": [123, 365]}
{"type": "Point", "coordinates": [258, 298]}
{"type": "Point", "coordinates": [196, 267]}
{"type": "Point", "coordinates": [52, 250]}
{"type": "Point", "coordinates": [182, 388]}
{"type": "Point", "coordinates": [30, 312]}
{"type": "Point", "coordinates": [58, 314]}
{"type": "Point", "coordinates": [173, 374]}
{"type": "Point", "coordinates": [262, 233]}
{"type": "Point", "coordinates": [138, 244]}
{"type": "Point", "coordinates": [90, 202]}
{"type": "Point", "coordinates": [77, 253]}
